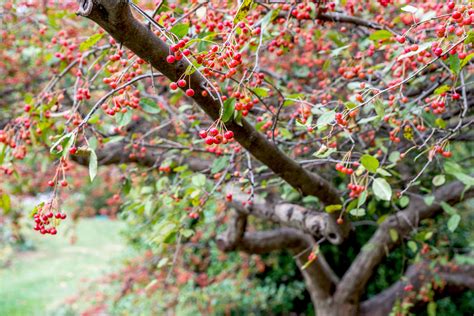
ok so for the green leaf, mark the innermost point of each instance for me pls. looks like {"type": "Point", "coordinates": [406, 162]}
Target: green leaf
{"type": "Point", "coordinates": [362, 198]}
{"type": "Point", "coordinates": [92, 165]}
{"type": "Point", "coordinates": [36, 209]}
{"type": "Point", "coordinates": [261, 92]}
{"type": "Point", "coordinates": [187, 233]}
{"type": "Point", "coordinates": [438, 180]}
{"type": "Point", "coordinates": [333, 208]}
{"type": "Point", "coordinates": [466, 60]}
{"type": "Point", "coordinates": [65, 142]}
{"type": "Point", "coordinates": [324, 152]}
{"type": "Point", "coordinates": [379, 108]}
{"type": "Point", "coordinates": [370, 163]}
{"type": "Point", "coordinates": [91, 41]}
{"type": "Point", "coordinates": [428, 235]}
{"type": "Point", "coordinates": [5, 203]}
{"type": "Point", "coordinates": [350, 105]}
{"type": "Point", "coordinates": [393, 234]}
{"type": "Point", "coordinates": [380, 35]}
{"type": "Point", "coordinates": [219, 164]}
{"type": "Point", "coordinates": [429, 200]}
{"type": "Point", "coordinates": [358, 212]}
{"type": "Point", "coordinates": [382, 189]}
{"type": "Point", "coordinates": [149, 106]}
{"type": "Point", "coordinates": [337, 51]}
{"type": "Point", "coordinates": [440, 122]}
{"type": "Point", "coordinates": [453, 222]}
{"type": "Point", "coordinates": [123, 119]}
{"type": "Point", "coordinates": [470, 37]}
{"type": "Point", "coordinates": [326, 118]}
{"type": "Point", "coordinates": [228, 109]}
{"type": "Point", "coordinates": [199, 180]}
{"type": "Point", "coordinates": [326, 64]}
{"type": "Point", "coordinates": [238, 117]}
{"type": "Point", "coordinates": [431, 309]}
{"type": "Point", "coordinates": [161, 264]}
{"type": "Point", "coordinates": [448, 208]}
{"type": "Point", "coordinates": [295, 96]}
{"type": "Point", "coordinates": [243, 11]}
{"type": "Point", "coordinates": [442, 89]}
{"type": "Point", "coordinates": [454, 63]}
{"type": "Point", "coordinates": [409, 8]}
{"type": "Point", "coordinates": [464, 178]}
{"type": "Point", "coordinates": [180, 30]}
{"type": "Point", "coordinates": [412, 245]}
{"type": "Point", "coordinates": [394, 156]}
{"type": "Point", "coordinates": [383, 172]}
{"type": "Point", "coordinates": [404, 201]}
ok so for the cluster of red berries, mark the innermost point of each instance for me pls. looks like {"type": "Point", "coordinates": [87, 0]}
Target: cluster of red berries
{"type": "Point", "coordinates": [181, 84]}
{"type": "Point", "coordinates": [244, 103]}
{"type": "Point", "coordinates": [340, 119]}
{"type": "Point", "coordinates": [83, 94]}
{"type": "Point", "coordinates": [194, 215]}
{"type": "Point", "coordinates": [213, 136]}
{"type": "Point", "coordinates": [120, 104]}
{"type": "Point", "coordinates": [165, 169]}
{"type": "Point", "coordinates": [14, 137]}
{"type": "Point", "coordinates": [217, 60]}
{"type": "Point", "coordinates": [356, 189]}
{"type": "Point", "coordinates": [393, 135]}
{"type": "Point", "coordinates": [441, 151]}
{"type": "Point", "coordinates": [346, 170]}
{"type": "Point", "coordinates": [52, 183]}
{"type": "Point", "coordinates": [44, 222]}
{"type": "Point", "coordinates": [438, 107]}
{"type": "Point", "coordinates": [177, 51]}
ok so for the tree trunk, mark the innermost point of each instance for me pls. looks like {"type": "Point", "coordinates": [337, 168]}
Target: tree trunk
{"type": "Point", "coordinates": [330, 307]}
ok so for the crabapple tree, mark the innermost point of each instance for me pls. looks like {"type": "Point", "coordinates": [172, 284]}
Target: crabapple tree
{"type": "Point", "coordinates": [281, 126]}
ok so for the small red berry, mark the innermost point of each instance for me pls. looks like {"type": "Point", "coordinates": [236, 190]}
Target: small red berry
{"type": "Point", "coordinates": [229, 135]}
{"type": "Point", "coordinates": [213, 131]}
{"type": "Point", "coordinates": [202, 134]}
{"type": "Point", "coordinates": [456, 15]}
{"type": "Point", "coordinates": [173, 86]}
{"type": "Point", "coordinates": [170, 59]}
{"type": "Point", "coordinates": [190, 92]}
{"type": "Point", "coordinates": [400, 39]}
{"type": "Point", "coordinates": [182, 83]}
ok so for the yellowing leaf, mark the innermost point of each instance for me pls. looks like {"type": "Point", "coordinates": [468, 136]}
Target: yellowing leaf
{"type": "Point", "coordinates": [243, 11]}
{"type": "Point", "coordinates": [91, 41]}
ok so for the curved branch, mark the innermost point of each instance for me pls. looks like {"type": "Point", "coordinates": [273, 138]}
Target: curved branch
{"type": "Point", "coordinates": [455, 279]}
{"type": "Point", "coordinates": [403, 222]}
{"type": "Point", "coordinates": [319, 278]}
{"type": "Point", "coordinates": [317, 224]}
{"type": "Point", "coordinates": [116, 18]}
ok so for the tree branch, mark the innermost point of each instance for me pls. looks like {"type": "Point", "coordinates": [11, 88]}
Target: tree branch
{"type": "Point", "coordinates": [116, 18]}
{"type": "Point", "coordinates": [317, 224]}
{"type": "Point", "coordinates": [455, 279]}
{"type": "Point", "coordinates": [319, 278]}
{"type": "Point", "coordinates": [116, 153]}
{"type": "Point", "coordinates": [403, 222]}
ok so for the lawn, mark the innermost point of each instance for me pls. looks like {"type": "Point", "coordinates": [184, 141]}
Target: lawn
{"type": "Point", "coordinates": [38, 281]}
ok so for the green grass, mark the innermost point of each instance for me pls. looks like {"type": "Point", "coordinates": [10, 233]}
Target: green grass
{"type": "Point", "coordinates": [38, 281]}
